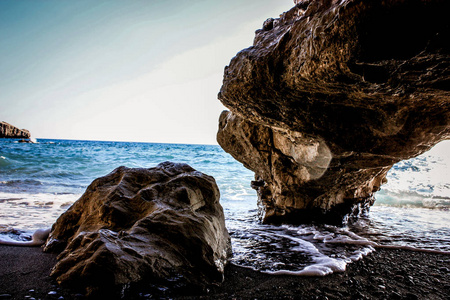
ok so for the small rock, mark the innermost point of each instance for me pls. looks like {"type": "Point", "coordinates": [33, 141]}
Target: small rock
{"type": "Point", "coordinates": [399, 277]}
{"type": "Point", "coordinates": [359, 295]}
{"type": "Point", "coordinates": [410, 280]}
{"type": "Point", "coordinates": [411, 296]}
{"type": "Point", "coordinates": [395, 295]}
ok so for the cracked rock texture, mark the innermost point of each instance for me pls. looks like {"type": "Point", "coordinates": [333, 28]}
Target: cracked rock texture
{"type": "Point", "coordinates": [10, 131]}
{"type": "Point", "coordinates": [330, 96]}
{"type": "Point", "coordinates": [163, 224]}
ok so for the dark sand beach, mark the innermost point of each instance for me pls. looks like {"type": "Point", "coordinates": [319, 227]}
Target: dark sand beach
{"type": "Point", "coordinates": [384, 274]}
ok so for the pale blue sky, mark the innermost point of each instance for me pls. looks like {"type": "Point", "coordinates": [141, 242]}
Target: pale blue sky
{"type": "Point", "coordinates": [122, 70]}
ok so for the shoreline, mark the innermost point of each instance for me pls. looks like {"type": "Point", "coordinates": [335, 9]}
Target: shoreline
{"type": "Point", "coordinates": [383, 274]}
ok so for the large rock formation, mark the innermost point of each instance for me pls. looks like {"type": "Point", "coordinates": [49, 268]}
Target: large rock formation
{"type": "Point", "coordinates": [330, 96]}
{"type": "Point", "coordinates": [10, 131]}
{"type": "Point", "coordinates": [135, 225]}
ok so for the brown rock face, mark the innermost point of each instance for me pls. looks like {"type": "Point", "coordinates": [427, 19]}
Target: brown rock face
{"type": "Point", "coordinates": [330, 96]}
{"type": "Point", "coordinates": [135, 225]}
{"type": "Point", "coordinates": [10, 131]}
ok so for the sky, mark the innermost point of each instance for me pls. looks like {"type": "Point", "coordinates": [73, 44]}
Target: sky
{"type": "Point", "coordinates": [114, 70]}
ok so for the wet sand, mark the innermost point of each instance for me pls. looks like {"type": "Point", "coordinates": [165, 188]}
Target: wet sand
{"type": "Point", "coordinates": [384, 274]}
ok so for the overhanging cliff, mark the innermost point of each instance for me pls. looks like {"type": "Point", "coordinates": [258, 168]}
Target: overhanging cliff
{"type": "Point", "coordinates": [330, 96]}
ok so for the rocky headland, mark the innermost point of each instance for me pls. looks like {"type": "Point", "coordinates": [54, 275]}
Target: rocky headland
{"type": "Point", "coordinates": [330, 96]}
{"type": "Point", "coordinates": [10, 131]}
{"type": "Point", "coordinates": [158, 225]}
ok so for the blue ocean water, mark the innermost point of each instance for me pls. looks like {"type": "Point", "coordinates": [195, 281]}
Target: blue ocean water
{"type": "Point", "coordinates": [40, 181]}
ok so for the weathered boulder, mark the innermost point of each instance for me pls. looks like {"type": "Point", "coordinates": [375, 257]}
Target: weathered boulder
{"type": "Point", "coordinates": [330, 96]}
{"type": "Point", "coordinates": [10, 131]}
{"type": "Point", "coordinates": [134, 225]}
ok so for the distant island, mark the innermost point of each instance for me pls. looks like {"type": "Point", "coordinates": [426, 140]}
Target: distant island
{"type": "Point", "coordinates": [9, 131]}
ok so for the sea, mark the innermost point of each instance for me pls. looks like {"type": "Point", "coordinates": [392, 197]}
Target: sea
{"type": "Point", "coordinates": [41, 180]}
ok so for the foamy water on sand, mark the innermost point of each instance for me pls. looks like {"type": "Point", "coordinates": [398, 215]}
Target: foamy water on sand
{"type": "Point", "coordinates": [40, 181]}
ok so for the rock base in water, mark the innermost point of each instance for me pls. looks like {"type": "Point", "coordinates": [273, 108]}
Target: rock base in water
{"type": "Point", "coordinates": [298, 179]}
{"type": "Point", "coordinates": [159, 224]}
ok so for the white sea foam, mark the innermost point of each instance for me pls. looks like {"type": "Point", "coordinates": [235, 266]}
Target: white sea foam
{"type": "Point", "coordinates": [365, 242]}
{"type": "Point", "coordinates": [6, 238]}
{"type": "Point", "coordinates": [28, 212]}
{"type": "Point", "coordinates": [322, 266]}
{"type": "Point", "coordinates": [296, 250]}
{"type": "Point", "coordinates": [353, 239]}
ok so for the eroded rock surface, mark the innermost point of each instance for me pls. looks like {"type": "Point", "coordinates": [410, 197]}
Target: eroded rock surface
{"type": "Point", "coordinates": [163, 223]}
{"type": "Point", "coordinates": [10, 131]}
{"type": "Point", "coordinates": [330, 96]}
